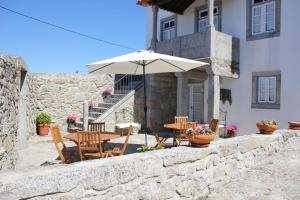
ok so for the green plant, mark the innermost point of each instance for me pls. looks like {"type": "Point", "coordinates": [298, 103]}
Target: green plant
{"type": "Point", "coordinates": [145, 148]}
{"type": "Point", "coordinates": [267, 122]}
{"type": "Point", "coordinates": [43, 118]}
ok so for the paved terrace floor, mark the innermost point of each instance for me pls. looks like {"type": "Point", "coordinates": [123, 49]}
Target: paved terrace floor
{"type": "Point", "coordinates": [41, 149]}
{"type": "Point", "coordinates": [276, 177]}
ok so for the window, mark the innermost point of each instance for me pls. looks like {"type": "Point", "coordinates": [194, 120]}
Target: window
{"type": "Point", "coordinates": [263, 18]}
{"type": "Point", "coordinates": [168, 29]}
{"type": "Point", "coordinates": [203, 19]}
{"type": "Point", "coordinates": [266, 89]}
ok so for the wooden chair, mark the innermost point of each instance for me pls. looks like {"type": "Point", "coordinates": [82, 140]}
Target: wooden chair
{"type": "Point", "coordinates": [89, 145]}
{"type": "Point", "coordinates": [161, 137]}
{"type": "Point", "coordinates": [214, 125]}
{"type": "Point", "coordinates": [182, 132]}
{"type": "Point", "coordinates": [98, 127]}
{"type": "Point", "coordinates": [116, 151]}
{"type": "Point", "coordinates": [180, 119]}
{"type": "Point", "coordinates": [65, 153]}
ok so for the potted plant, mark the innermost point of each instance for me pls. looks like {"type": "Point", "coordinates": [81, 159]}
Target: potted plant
{"type": "Point", "coordinates": [107, 92]}
{"type": "Point", "coordinates": [200, 137]}
{"type": "Point", "coordinates": [267, 126]}
{"type": "Point", "coordinates": [43, 123]}
{"type": "Point", "coordinates": [91, 105]}
{"type": "Point", "coordinates": [71, 120]}
{"type": "Point", "coordinates": [231, 130]}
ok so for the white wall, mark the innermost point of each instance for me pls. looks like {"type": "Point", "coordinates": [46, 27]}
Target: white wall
{"type": "Point", "coordinates": [278, 53]}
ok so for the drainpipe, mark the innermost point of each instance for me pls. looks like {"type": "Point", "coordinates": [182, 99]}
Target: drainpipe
{"type": "Point", "coordinates": [211, 14]}
{"type": "Point", "coordinates": [154, 28]}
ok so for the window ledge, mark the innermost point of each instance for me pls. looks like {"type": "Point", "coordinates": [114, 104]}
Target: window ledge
{"type": "Point", "coordinates": [265, 106]}
{"type": "Point", "coordinates": [262, 36]}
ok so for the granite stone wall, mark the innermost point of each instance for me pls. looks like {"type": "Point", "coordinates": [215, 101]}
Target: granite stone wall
{"type": "Point", "coordinates": [15, 113]}
{"type": "Point", "coordinates": [177, 173]}
{"type": "Point", "coordinates": [62, 94]}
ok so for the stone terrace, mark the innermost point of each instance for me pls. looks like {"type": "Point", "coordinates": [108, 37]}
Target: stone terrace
{"type": "Point", "coordinates": [177, 173]}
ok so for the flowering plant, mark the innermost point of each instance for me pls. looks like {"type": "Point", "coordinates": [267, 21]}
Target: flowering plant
{"type": "Point", "coordinates": [267, 122]}
{"type": "Point", "coordinates": [107, 92]}
{"type": "Point", "coordinates": [91, 105]}
{"type": "Point", "coordinates": [71, 119]}
{"type": "Point", "coordinates": [199, 130]}
{"type": "Point", "coordinates": [231, 127]}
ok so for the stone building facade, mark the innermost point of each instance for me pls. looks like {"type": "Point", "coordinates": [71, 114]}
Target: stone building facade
{"type": "Point", "coordinates": [62, 94]}
{"type": "Point", "coordinates": [17, 110]}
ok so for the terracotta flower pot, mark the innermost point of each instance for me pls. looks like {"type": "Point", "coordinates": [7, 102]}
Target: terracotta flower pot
{"type": "Point", "coordinates": [266, 129]}
{"type": "Point", "coordinates": [230, 134]}
{"type": "Point", "coordinates": [294, 125]}
{"type": "Point", "coordinates": [43, 129]}
{"type": "Point", "coordinates": [201, 140]}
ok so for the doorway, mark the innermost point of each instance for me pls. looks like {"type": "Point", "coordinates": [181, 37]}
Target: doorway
{"type": "Point", "coordinates": [196, 102]}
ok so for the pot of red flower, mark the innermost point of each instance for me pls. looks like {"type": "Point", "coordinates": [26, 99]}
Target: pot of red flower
{"type": "Point", "coordinates": [71, 120]}
{"type": "Point", "coordinates": [200, 137]}
{"type": "Point", "coordinates": [231, 130]}
{"type": "Point", "coordinates": [43, 123]}
{"type": "Point", "coordinates": [107, 93]}
{"type": "Point", "coordinates": [267, 126]}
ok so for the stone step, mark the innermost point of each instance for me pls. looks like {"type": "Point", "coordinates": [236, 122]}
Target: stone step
{"type": "Point", "coordinates": [105, 104]}
{"type": "Point", "coordinates": [95, 114]}
{"type": "Point", "coordinates": [99, 109]}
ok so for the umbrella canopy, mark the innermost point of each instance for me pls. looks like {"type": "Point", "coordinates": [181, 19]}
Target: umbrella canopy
{"type": "Point", "coordinates": [144, 62]}
{"type": "Point", "coordinates": [154, 63]}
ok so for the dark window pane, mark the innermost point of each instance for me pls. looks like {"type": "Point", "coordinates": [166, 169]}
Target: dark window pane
{"type": "Point", "coordinates": [167, 25]}
{"type": "Point", "coordinates": [257, 1]}
{"type": "Point", "coordinates": [172, 23]}
{"type": "Point", "coordinates": [204, 14]}
{"type": "Point", "coordinates": [215, 11]}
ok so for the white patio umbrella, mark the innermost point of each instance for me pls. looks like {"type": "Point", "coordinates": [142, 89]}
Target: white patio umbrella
{"type": "Point", "coordinates": [144, 62]}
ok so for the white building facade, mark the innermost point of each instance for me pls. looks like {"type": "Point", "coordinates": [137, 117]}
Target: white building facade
{"type": "Point", "coordinates": [253, 48]}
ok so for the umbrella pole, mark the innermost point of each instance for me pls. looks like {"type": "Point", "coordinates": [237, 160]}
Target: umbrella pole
{"type": "Point", "coordinates": [145, 105]}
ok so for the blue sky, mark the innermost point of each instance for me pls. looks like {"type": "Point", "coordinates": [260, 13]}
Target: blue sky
{"type": "Point", "coordinates": [46, 49]}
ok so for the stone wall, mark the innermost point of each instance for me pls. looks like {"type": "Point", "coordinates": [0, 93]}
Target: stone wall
{"type": "Point", "coordinates": [62, 94]}
{"type": "Point", "coordinates": [161, 98]}
{"type": "Point", "coordinates": [15, 113]}
{"type": "Point", "coordinates": [181, 172]}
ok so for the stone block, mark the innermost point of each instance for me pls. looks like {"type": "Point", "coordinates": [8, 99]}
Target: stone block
{"type": "Point", "coordinates": [248, 143]}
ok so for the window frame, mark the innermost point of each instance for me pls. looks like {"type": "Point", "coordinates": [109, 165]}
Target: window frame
{"type": "Point", "coordinates": [264, 33]}
{"type": "Point", "coordinates": [163, 21]}
{"type": "Point", "coordinates": [218, 5]}
{"type": "Point", "coordinates": [215, 16]}
{"type": "Point", "coordinates": [263, 20]}
{"type": "Point", "coordinates": [266, 88]}
{"type": "Point", "coordinates": [256, 89]}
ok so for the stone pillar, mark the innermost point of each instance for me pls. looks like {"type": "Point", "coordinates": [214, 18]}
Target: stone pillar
{"type": "Point", "coordinates": [154, 28]}
{"type": "Point", "coordinates": [85, 115]}
{"type": "Point", "coordinates": [182, 94]}
{"type": "Point", "coordinates": [213, 100]}
{"type": "Point", "coordinates": [211, 14]}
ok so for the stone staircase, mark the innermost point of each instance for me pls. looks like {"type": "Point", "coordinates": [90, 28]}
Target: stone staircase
{"type": "Point", "coordinates": [122, 87]}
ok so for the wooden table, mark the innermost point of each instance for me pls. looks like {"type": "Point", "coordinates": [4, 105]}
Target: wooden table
{"type": "Point", "coordinates": [105, 137]}
{"type": "Point", "coordinates": [176, 127]}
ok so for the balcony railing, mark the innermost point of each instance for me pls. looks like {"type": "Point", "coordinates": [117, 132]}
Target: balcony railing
{"type": "Point", "coordinates": [213, 46]}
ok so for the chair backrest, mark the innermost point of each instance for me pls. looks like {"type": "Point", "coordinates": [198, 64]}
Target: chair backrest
{"type": "Point", "coordinates": [187, 125]}
{"type": "Point", "coordinates": [124, 145]}
{"type": "Point", "coordinates": [58, 142]}
{"type": "Point", "coordinates": [214, 125]}
{"type": "Point", "coordinates": [98, 127]}
{"type": "Point", "coordinates": [89, 141]}
{"type": "Point", "coordinates": [180, 119]}
{"type": "Point", "coordinates": [154, 131]}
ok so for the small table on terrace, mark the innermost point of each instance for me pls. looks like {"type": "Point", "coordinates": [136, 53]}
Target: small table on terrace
{"type": "Point", "coordinates": [105, 137]}
{"type": "Point", "coordinates": [175, 127]}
